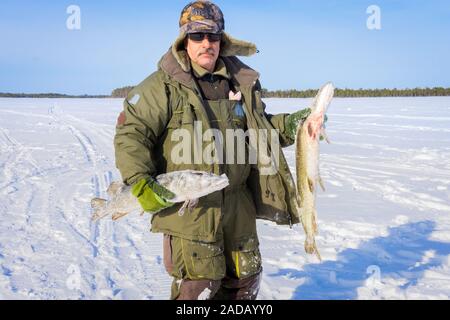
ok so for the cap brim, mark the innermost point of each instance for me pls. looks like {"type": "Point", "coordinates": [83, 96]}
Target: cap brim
{"type": "Point", "coordinates": [207, 26]}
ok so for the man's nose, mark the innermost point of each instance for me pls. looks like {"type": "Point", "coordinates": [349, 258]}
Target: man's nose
{"type": "Point", "coordinates": [206, 42]}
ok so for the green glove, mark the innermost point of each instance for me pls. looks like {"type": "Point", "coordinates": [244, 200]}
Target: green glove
{"type": "Point", "coordinates": [151, 195]}
{"type": "Point", "coordinates": [293, 120]}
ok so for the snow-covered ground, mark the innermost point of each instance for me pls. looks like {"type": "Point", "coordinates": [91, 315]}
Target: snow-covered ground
{"type": "Point", "coordinates": [384, 219]}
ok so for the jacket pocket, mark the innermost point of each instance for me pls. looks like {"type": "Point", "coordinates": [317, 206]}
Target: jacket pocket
{"type": "Point", "coordinates": [238, 117]}
{"type": "Point", "coordinates": [178, 144]}
{"type": "Point", "coordinates": [176, 120]}
{"type": "Point", "coordinates": [247, 258]}
{"type": "Point", "coordinates": [203, 260]}
{"type": "Point", "coordinates": [181, 118]}
{"type": "Point", "coordinates": [188, 115]}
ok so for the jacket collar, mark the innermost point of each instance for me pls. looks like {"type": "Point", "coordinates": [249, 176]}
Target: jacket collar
{"type": "Point", "coordinates": [221, 70]}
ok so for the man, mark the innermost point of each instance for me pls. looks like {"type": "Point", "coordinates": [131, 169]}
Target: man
{"type": "Point", "coordinates": [212, 251]}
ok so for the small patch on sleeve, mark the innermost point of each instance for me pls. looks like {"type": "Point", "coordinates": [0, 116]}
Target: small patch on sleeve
{"type": "Point", "coordinates": [134, 99]}
{"type": "Point", "coordinates": [121, 119]}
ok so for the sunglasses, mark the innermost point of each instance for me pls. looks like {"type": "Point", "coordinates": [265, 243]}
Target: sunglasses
{"type": "Point", "coordinates": [198, 37]}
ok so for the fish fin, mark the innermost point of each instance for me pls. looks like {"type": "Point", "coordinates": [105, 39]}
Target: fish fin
{"type": "Point", "coordinates": [192, 204]}
{"type": "Point", "coordinates": [98, 204]}
{"type": "Point", "coordinates": [315, 228]}
{"type": "Point", "coordinates": [113, 188]}
{"type": "Point", "coordinates": [324, 135]}
{"type": "Point", "coordinates": [318, 254]}
{"type": "Point", "coordinates": [311, 185]}
{"type": "Point", "coordinates": [310, 244]}
{"type": "Point", "coordinates": [119, 215]}
{"type": "Point", "coordinates": [183, 208]}
{"type": "Point", "coordinates": [321, 183]}
{"type": "Point", "coordinates": [311, 247]}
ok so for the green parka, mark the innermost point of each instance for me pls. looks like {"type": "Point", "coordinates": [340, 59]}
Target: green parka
{"type": "Point", "coordinates": [168, 100]}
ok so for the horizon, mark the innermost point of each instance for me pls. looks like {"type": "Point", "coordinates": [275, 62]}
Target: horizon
{"type": "Point", "coordinates": [115, 47]}
{"type": "Point", "coordinates": [271, 91]}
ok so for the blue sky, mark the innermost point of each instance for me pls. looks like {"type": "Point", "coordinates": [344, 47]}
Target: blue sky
{"type": "Point", "coordinates": [302, 43]}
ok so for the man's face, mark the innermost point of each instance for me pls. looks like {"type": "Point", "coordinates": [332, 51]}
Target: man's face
{"type": "Point", "coordinates": [204, 52]}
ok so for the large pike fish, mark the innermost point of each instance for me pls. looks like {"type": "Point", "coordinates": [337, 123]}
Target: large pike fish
{"type": "Point", "coordinates": [187, 185]}
{"type": "Point", "coordinates": [307, 164]}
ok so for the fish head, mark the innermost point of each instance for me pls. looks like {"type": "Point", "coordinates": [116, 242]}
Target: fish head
{"type": "Point", "coordinates": [323, 99]}
{"type": "Point", "coordinates": [222, 181]}
{"type": "Point", "coordinates": [314, 122]}
{"type": "Point", "coordinates": [212, 181]}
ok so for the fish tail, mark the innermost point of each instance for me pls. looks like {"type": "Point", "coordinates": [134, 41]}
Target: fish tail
{"type": "Point", "coordinates": [98, 205]}
{"type": "Point", "coordinates": [119, 215]}
{"type": "Point", "coordinates": [311, 247]}
{"type": "Point", "coordinates": [317, 253]}
{"type": "Point", "coordinates": [321, 183]}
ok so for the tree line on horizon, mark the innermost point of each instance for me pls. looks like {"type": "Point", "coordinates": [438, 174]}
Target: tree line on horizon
{"type": "Point", "coordinates": [357, 93]}
{"type": "Point", "coordinates": [121, 92]}
{"type": "Point", "coordinates": [265, 93]}
{"type": "Point", "coordinates": [344, 93]}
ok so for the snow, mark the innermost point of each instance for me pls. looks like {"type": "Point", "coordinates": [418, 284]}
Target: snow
{"type": "Point", "coordinates": [205, 295]}
{"type": "Point", "coordinates": [384, 219]}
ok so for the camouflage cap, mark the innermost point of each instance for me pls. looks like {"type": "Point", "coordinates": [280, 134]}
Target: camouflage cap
{"type": "Point", "coordinates": [201, 16]}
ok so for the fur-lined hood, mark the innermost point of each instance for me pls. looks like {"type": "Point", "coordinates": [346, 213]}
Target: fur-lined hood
{"type": "Point", "coordinates": [176, 62]}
